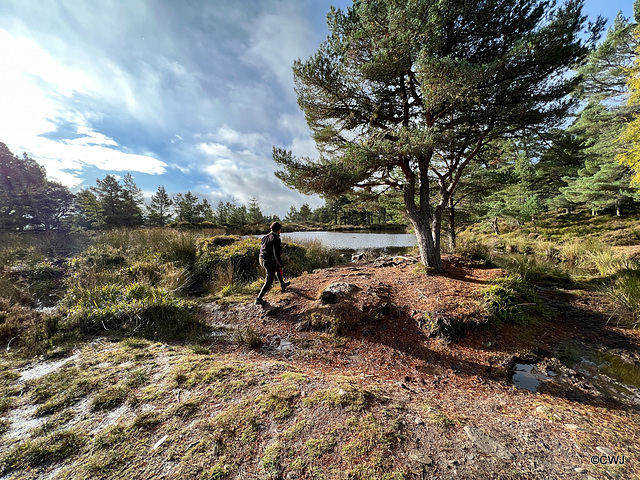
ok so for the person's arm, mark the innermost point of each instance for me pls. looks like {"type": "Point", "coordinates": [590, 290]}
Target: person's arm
{"type": "Point", "coordinates": [277, 251]}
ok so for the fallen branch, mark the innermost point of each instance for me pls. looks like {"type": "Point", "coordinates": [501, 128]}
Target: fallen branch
{"type": "Point", "coordinates": [422, 294]}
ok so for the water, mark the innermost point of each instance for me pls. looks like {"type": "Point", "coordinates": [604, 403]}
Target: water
{"type": "Point", "coordinates": [355, 241]}
{"type": "Point", "coordinates": [528, 376]}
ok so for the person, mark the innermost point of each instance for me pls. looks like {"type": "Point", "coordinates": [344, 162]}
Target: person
{"type": "Point", "coordinates": [271, 260]}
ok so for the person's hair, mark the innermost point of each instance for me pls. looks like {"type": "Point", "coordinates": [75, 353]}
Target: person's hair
{"type": "Point", "coordinates": [275, 226]}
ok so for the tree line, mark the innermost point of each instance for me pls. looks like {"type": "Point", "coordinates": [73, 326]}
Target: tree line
{"type": "Point", "coordinates": [28, 200]}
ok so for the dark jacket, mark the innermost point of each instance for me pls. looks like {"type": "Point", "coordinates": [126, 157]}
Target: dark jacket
{"type": "Point", "coordinates": [271, 248]}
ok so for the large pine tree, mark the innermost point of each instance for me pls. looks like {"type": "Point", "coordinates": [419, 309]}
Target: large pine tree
{"type": "Point", "coordinates": [405, 94]}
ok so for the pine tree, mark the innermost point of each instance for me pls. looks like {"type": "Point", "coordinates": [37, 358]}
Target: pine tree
{"type": "Point", "coordinates": [20, 180]}
{"type": "Point", "coordinates": [254, 214]}
{"type": "Point", "coordinates": [602, 182]}
{"type": "Point", "coordinates": [132, 202]}
{"type": "Point", "coordinates": [404, 95]}
{"type": "Point", "coordinates": [159, 211]}
{"type": "Point", "coordinates": [88, 210]}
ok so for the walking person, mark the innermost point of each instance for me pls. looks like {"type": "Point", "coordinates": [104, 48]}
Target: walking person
{"type": "Point", "coordinates": [271, 260]}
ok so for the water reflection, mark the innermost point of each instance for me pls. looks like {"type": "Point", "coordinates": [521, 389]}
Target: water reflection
{"type": "Point", "coordinates": [355, 241]}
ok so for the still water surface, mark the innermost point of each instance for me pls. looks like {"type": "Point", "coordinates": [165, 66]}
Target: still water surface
{"type": "Point", "coordinates": [355, 241]}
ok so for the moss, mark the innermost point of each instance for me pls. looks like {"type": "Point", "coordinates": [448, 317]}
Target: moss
{"type": "Point", "coordinates": [350, 397]}
{"type": "Point", "coordinates": [279, 400]}
{"type": "Point", "coordinates": [271, 462]}
{"type": "Point", "coordinates": [317, 447]}
{"type": "Point", "coordinates": [237, 424]}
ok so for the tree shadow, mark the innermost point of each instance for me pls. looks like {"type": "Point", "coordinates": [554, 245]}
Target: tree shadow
{"type": "Point", "coordinates": [400, 332]}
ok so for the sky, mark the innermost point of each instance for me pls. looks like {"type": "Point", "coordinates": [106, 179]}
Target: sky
{"type": "Point", "coordinates": [189, 95]}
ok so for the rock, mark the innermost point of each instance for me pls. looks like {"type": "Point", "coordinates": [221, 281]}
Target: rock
{"type": "Point", "coordinates": [487, 444]}
{"type": "Point", "coordinates": [571, 426]}
{"type": "Point", "coordinates": [160, 442]}
{"type": "Point", "coordinates": [420, 457]}
{"type": "Point", "coordinates": [419, 421]}
{"type": "Point", "coordinates": [580, 470]}
{"type": "Point", "coordinates": [334, 292]}
{"type": "Point", "coordinates": [605, 451]}
{"type": "Point", "coordinates": [542, 409]}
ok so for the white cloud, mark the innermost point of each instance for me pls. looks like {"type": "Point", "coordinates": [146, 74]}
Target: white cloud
{"type": "Point", "coordinates": [244, 174]}
{"type": "Point", "coordinates": [277, 40]}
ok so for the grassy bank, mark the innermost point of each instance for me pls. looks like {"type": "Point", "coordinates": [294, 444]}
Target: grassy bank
{"type": "Point", "coordinates": [145, 282]}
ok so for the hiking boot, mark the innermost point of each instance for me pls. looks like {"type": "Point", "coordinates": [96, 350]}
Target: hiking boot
{"type": "Point", "coordinates": [284, 286]}
{"type": "Point", "coordinates": [260, 301]}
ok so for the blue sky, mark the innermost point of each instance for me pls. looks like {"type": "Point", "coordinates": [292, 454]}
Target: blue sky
{"type": "Point", "coordinates": [189, 95]}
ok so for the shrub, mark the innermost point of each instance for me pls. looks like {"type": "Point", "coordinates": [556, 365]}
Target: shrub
{"type": "Point", "coordinates": [242, 255]}
{"type": "Point", "coordinates": [306, 256]}
{"type": "Point", "coordinates": [511, 300]}
{"type": "Point", "coordinates": [472, 248]}
{"type": "Point", "coordinates": [14, 320]}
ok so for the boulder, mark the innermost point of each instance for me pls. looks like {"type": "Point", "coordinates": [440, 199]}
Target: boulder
{"type": "Point", "coordinates": [337, 291]}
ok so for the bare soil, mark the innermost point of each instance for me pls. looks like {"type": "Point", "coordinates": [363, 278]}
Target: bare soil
{"type": "Point", "coordinates": [551, 433]}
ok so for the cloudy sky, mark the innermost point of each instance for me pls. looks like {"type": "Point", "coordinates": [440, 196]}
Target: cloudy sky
{"type": "Point", "coordinates": [190, 95]}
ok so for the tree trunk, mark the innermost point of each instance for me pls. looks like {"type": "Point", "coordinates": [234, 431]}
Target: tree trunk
{"type": "Point", "coordinates": [452, 225]}
{"type": "Point", "coordinates": [427, 236]}
{"type": "Point", "coordinates": [429, 254]}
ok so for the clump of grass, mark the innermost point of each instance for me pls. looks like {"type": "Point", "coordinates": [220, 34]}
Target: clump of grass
{"type": "Point", "coordinates": [624, 291]}
{"type": "Point", "coordinates": [134, 309]}
{"type": "Point", "coordinates": [62, 388]}
{"type": "Point", "coordinates": [604, 260]}
{"type": "Point", "coordinates": [109, 398]}
{"type": "Point", "coordinates": [41, 451]}
{"type": "Point", "coordinates": [8, 390]}
{"type": "Point", "coordinates": [511, 300]}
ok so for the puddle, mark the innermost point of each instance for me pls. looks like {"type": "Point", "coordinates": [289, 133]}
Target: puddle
{"type": "Point", "coordinates": [594, 363]}
{"type": "Point", "coordinates": [284, 345]}
{"type": "Point", "coordinates": [610, 374]}
{"type": "Point", "coordinates": [528, 376]}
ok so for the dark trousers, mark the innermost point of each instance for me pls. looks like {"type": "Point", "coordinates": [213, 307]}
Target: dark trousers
{"type": "Point", "coordinates": [272, 271]}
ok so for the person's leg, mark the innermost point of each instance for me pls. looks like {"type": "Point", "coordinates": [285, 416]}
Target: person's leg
{"type": "Point", "coordinates": [270, 267]}
{"type": "Point", "coordinates": [283, 284]}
